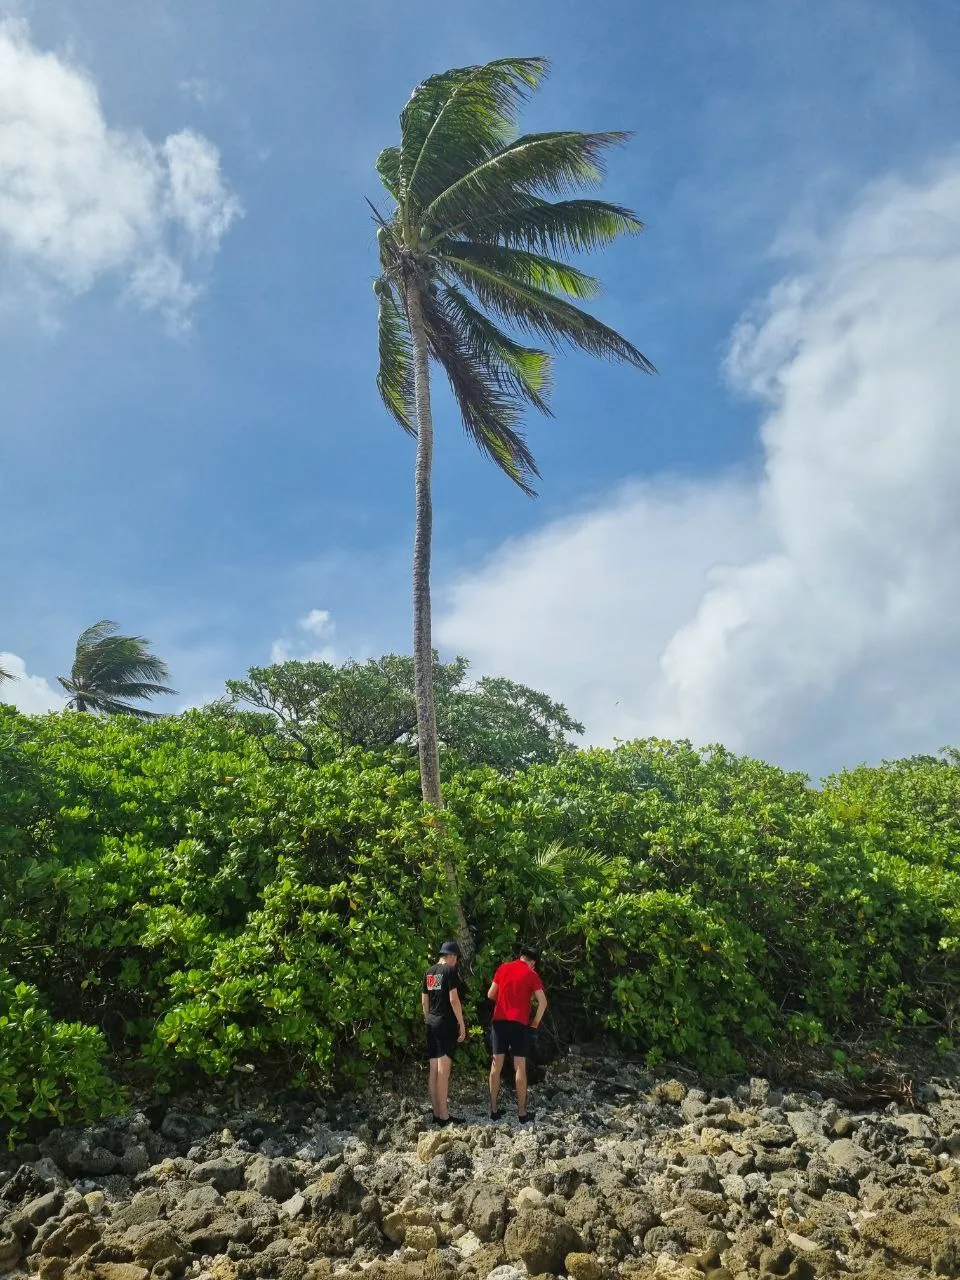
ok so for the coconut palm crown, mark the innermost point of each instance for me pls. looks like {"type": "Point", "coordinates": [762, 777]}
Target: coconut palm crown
{"type": "Point", "coordinates": [109, 670]}
{"type": "Point", "coordinates": [471, 269]}
{"type": "Point", "coordinates": [475, 232]}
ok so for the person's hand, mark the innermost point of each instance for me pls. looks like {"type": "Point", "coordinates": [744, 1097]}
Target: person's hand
{"type": "Point", "coordinates": [463, 1035]}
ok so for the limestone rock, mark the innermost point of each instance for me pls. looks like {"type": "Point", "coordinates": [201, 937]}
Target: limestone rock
{"type": "Point", "coordinates": [10, 1251]}
{"type": "Point", "coordinates": [422, 1239]}
{"type": "Point", "coordinates": [223, 1174]}
{"type": "Point", "coordinates": [484, 1210]}
{"type": "Point", "coordinates": [530, 1198]}
{"type": "Point", "coordinates": [269, 1178]}
{"type": "Point", "coordinates": [846, 1155]}
{"type": "Point", "coordinates": [582, 1266]}
{"type": "Point", "coordinates": [154, 1242]}
{"type": "Point", "coordinates": [85, 1270]}
{"type": "Point", "coordinates": [74, 1236]}
{"type": "Point", "coordinates": [541, 1241]}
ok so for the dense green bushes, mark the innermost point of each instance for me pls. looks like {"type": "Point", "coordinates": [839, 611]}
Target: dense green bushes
{"type": "Point", "coordinates": [176, 898]}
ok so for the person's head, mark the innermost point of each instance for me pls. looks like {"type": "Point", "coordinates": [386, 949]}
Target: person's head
{"type": "Point", "coordinates": [530, 955]}
{"type": "Point", "coordinates": [450, 952]}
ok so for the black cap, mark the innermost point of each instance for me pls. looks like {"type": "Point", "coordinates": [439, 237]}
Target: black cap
{"type": "Point", "coordinates": [450, 949]}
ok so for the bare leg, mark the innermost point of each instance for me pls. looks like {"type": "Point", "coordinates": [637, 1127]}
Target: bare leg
{"type": "Point", "coordinates": [444, 1067]}
{"type": "Point", "coordinates": [433, 1084]}
{"type": "Point", "coordinates": [496, 1067]}
{"type": "Point", "coordinates": [520, 1082]}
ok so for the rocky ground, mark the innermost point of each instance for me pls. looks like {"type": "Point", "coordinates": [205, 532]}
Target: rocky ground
{"type": "Point", "coordinates": [620, 1175]}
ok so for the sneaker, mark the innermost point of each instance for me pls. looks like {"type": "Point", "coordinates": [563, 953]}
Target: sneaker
{"type": "Point", "coordinates": [526, 1117]}
{"type": "Point", "coordinates": [451, 1120]}
{"type": "Point", "coordinates": [496, 1115]}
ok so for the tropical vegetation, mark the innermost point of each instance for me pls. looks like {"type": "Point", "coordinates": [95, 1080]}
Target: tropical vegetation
{"type": "Point", "coordinates": [188, 895]}
{"type": "Point", "coordinates": [474, 262]}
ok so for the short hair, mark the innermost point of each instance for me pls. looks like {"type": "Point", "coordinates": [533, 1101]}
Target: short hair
{"type": "Point", "coordinates": [530, 953]}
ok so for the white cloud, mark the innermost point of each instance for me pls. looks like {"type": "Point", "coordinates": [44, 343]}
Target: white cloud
{"type": "Point", "coordinates": [317, 623]}
{"type": "Point", "coordinates": [81, 200]}
{"type": "Point", "coordinates": [201, 90]}
{"type": "Point", "coordinates": [812, 614]}
{"type": "Point", "coordinates": [31, 694]}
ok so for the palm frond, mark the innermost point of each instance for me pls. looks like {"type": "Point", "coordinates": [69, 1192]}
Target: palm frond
{"type": "Point", "coordinates": [563, 860]}
{"type": "Point", "coordinates": [537, 163]}
{"type": "Point", "coordinates": [534, 269]}
{"type": "Point", "coordinates": [110, 668]}
{"type": "Point", "coordinates": [6, 675]}
{"type": "Point", "coordinates": [490, 413]}
{"type": "Point", "coordinates": [521, 369]}
{"type": "Point", "coordinates": [536, 311]}
{"type": "Point", "coordinates": [108, 705]}
{"type": "Point", "coordinates": [552, 226]}
{"type": "Point", "coordinates": [454, 120]}
{"type": "Point", "coordinates": [395, 376]}
{"type": "Point", "coordinates": [388, 167]}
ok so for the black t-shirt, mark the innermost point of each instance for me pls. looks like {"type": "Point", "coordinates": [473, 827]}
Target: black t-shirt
{"type": "Point", "coordinates": [438, 982]}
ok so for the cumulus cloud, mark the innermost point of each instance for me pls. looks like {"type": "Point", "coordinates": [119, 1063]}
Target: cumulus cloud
{"type": "Point", "coordinates": [81, 200]}
{"type": "Point", "coordinates": [31, 694]}
{"type": "Point", "coordinates": [317, 623]}
{"type": "Point", "coordinates": [810, 613]}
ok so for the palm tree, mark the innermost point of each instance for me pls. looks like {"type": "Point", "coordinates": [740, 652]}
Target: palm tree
{"type": "Point", "coordinates": [475, 242]}
{"type": "Point", "coordinates": [108, 669]}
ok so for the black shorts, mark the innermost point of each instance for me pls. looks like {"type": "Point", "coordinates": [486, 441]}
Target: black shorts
{"type": "Point", "coordinates": [441, 1041]}
{"type": "Point", "coordinates": [509, 1037]}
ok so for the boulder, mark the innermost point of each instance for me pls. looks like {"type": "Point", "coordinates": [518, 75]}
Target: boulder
{"type": "Point", "coordinates": [435, 1143]}
{"type": "Point", "coordinates": [421, 1239]}
{"type": "Point", "coordinates": [10, 1251]}
{"type": "Point", "coordinates": [154, 1242]}
{"type": "Point", "coordinates": [144, 1207]}
{"type": "Point", "coordinates": [541, 1240]}
{"type": "Point", "coordinates": [583, 1266]}
{"type": "Point", "coordinates": [271, 1178]}
{"type": "Point", "coordinates": [223, 1174]}
{"type": "Point", "coordinates": [848, 1156]}
{"type": "Point", "coordinates": [74, 1236]}
{"type": "Point", "coordinates": [530, 1198]}
{"type": "Point", "coordinates": [484, 1210]}
{"type": "Point", "coordinates": [84, 1270]}
{"type": "Point", "coordinates": [135, 1159]}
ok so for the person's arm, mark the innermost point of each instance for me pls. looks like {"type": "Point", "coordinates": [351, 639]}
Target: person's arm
{"type": "Point", "coordinates": [494, 986]}
{"type": "Point", "coordinates": [540, 1007]}
{"type": "Point", "coordinates": [425, 1001]}
{"type": "Point", "coordinates": [457, 1008]}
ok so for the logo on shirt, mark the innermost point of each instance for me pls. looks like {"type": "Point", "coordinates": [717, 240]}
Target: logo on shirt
{"type": "Point", "coordinates": [434, 982]}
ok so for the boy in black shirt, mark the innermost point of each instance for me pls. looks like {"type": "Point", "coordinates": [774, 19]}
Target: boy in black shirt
{"type": "Point", "coordinates": [443, 1014]}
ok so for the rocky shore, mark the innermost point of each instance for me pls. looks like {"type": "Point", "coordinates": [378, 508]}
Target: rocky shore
{"type": "Point", "coordinates": [622, 1174]}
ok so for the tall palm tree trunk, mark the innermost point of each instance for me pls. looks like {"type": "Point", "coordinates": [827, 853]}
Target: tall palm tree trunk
{"type": "Point", "coordinates": [427, 739]}
{"type": "Point", "coordinates": [422, 549]}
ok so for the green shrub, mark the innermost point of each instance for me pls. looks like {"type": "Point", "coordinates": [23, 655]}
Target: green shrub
{"type": "Point", "coordinates": [49, 1070]}
{"type": "Point", "coordinates": [205, 902]}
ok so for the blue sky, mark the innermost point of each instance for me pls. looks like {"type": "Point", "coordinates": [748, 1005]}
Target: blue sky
{"type": "Point", "coordinates": [208, 481]}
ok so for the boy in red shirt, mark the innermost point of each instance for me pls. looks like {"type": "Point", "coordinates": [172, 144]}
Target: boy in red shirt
{"type": "Point", "coordinates": [514, 985]}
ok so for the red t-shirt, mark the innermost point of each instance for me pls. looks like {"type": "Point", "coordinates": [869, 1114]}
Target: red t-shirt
{"type": "Point", "coordinates": [516, 983]}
